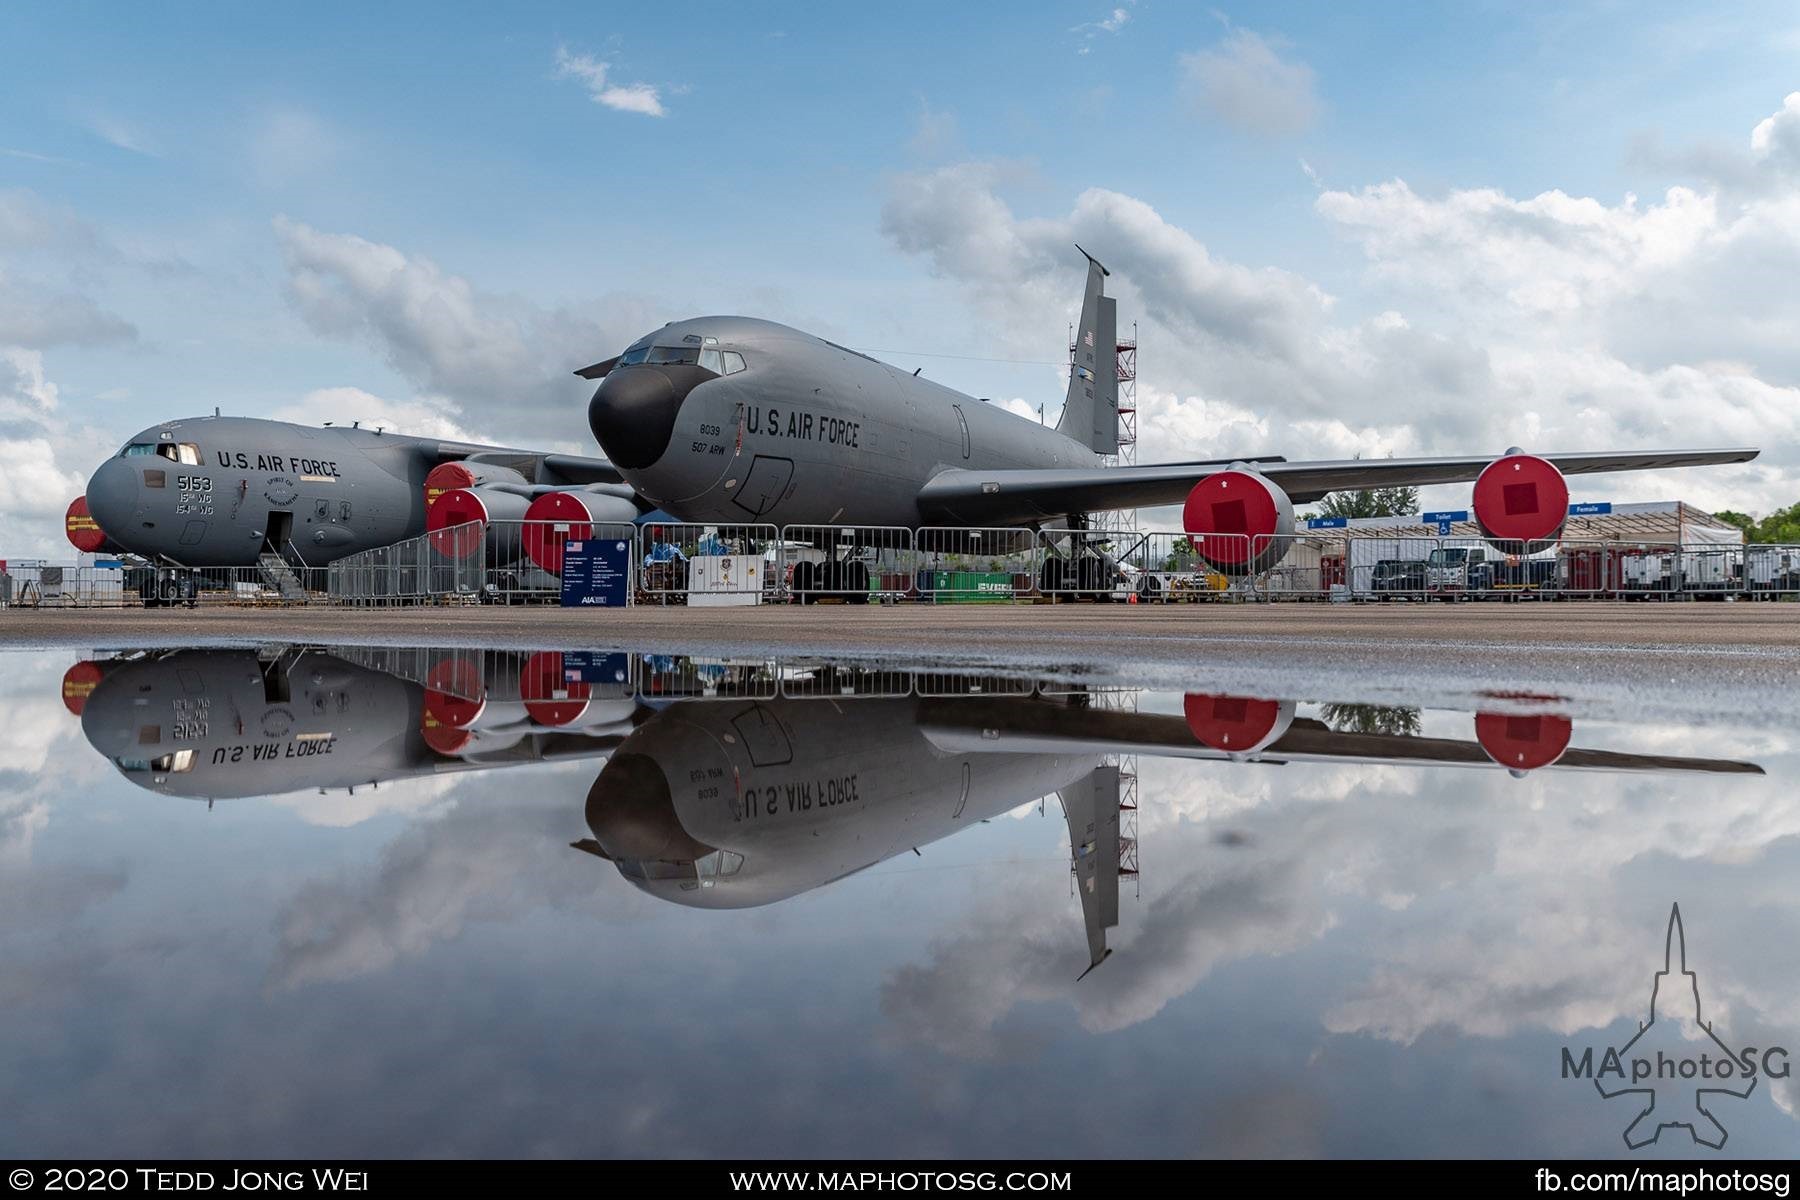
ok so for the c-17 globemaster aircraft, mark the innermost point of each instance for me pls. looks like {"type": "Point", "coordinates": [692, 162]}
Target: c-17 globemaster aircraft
{"type": "Point", "coordinates": [734, 420]}
{"type": "Point", "coordinates": [235, 491]}
{"type": "Point", "coordinates": [736, 785]}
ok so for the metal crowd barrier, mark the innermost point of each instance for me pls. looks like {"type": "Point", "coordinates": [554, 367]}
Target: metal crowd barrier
{"type": "Point", "coordinates": [859, 564]}
{"type": "Point", "coordinates": [698, 564]}
{"type": "Point", "coordinates": [1771, 571]}
{"type": "Point", "coordinates": [703, 565]}
{"type": "Point", "coordinates": [976, 566]}
{"type": "Point", "coordinates": [826, 680]}
{"type": "Point", "coordinates": [51, 586]}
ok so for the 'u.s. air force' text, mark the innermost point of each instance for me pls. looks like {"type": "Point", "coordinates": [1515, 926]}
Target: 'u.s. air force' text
{"type": "Point", "coordinates": [801, 796]}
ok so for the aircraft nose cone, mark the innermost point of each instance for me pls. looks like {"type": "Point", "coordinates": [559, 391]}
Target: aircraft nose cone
{"type": "Point", "coordinates": [112, 497]}
{"type": "Point", "coordinates": [633, 412]}
{"type": "Point", "coordinates": [631, 812]}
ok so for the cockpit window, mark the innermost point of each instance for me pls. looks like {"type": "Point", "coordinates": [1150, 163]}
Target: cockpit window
{"type": "Point", "coordinates": [163, 764]}
{"type": "Point", "coordinates": [712, 361]}
{"type": "Point", "coordinates": [185, 453]}
{"type": "Point", "coordinates": [651, 868]}
{"type": "Point", "coordinates": [634, 356]}
{"type": "Point", "coordinates": [673, 356]}
{"type": "Point", "coordinates": [734, 362]}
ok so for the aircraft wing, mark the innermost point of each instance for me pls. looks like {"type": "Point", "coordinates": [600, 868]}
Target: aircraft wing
{"type": "Point", "coordinates": [1010, 497]}
{"type": "Point", "coordinates": [999, 725]}
{"type": "Point", "coordinates": [557, 468]}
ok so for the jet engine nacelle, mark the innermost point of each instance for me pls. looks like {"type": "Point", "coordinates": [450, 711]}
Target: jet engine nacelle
{"type": "Point", "coordinates": [1523, 742]}
{"type": "Point", "coordinates": [462, 520]}
{"type": "Point", "coordinates": [1238, 522]}
{"type": "Point", "coordinates": [554, 699]}
{"type": "Point", "coordinates": [1521, 503]}
{"type": "Point", "coordinates": [557, 517]}
{"type": "Point", "coordinates": [447, 477]}
{"type": "Point", "coordinates": [84, 532]}
{"type": "Point", "coordinates": [1240, 726]}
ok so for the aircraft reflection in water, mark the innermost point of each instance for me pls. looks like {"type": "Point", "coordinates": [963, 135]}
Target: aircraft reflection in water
{"type": "Point", "coordinates": [731, 785]}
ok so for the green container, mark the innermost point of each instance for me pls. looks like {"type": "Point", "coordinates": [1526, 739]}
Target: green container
{"type": "Point", "coordinates": [971, 587]}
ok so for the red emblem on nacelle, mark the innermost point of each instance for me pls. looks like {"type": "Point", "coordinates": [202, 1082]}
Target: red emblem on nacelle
{"type": "Point", "coordinates": [1521, 503]}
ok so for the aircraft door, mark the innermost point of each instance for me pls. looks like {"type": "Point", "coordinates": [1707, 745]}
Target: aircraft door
{"type": "Point", "coordinates": [764, 484]}
{"type": "Point", "coordinates": [763, 738]}
{"type": "Point", "coordinates": [279, 529]}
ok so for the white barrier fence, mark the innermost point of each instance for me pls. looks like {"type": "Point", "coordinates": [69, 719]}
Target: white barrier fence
{"type": "Point", "coordinates": [708, 565]}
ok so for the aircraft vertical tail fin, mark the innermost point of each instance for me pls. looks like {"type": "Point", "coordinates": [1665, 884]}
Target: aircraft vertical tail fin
{"type": "Point", "coordinates": [1091, 805]}
{"type": "Point", "coordinates": [1091, 409]}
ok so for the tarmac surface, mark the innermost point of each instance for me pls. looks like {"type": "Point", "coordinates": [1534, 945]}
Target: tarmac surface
{"type": "Point", "coordinates": [1741, 657]}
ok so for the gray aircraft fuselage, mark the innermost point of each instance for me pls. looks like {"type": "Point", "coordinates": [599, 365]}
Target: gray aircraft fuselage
{"type": "Point", "coordinates": [218, 724]}
{"type": "Point", "coordinates": [249, 484]}
{"type": "Point", "coordinates": [732, 804]}
{"type": "Point", "coordinates": [219, 491]}
{"type": "Point", "coordinates": [806, 433]}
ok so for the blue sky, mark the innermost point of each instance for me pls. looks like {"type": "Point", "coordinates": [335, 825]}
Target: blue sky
{"type": "Point", "coordinates": [817, 164]}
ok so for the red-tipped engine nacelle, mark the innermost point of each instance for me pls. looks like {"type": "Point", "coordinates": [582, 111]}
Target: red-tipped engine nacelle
{"type": "Point", "coordinates": [1238, 725]}
{"type": "Point", "coordinates": [84, 532]}
{"type": "Point", "coordinates": [553, 698]}
{"type": "Point", "coordinates": [556, 517]}
{"type": "Point", "coordinates": [447, 477]}
{"type": "Point", "coordinates": [458, 522]}
{"type": "Point", "coordinates": [1523, 742]}
{"type": "Point", "coordinates": [1521, 503]}
{"type": "Point", "coordinates": [1238, 522]}
{"type": "Point", "coordinates": [78, 683]}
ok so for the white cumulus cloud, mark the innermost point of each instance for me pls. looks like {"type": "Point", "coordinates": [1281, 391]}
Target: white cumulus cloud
{"type": "Point", "coordinates": [1245, 82]}
{"type": "Point", "coordinates": [594, 74]}
{"type": "Point", "coordinates": [1553, 321]}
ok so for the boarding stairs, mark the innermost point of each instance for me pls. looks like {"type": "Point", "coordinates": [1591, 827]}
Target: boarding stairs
{"type": "Point", "coordinates": [279, 575]}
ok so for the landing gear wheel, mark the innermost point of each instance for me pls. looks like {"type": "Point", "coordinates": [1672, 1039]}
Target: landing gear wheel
{"type": "Point", "coordinates": [803, 582]}
{"type": "Point", "coordinates": [1054, 578]}
{"type": "Point", "coordinates": [1149, 589]}
{"type": "Point", "coordinates": [856, 582]}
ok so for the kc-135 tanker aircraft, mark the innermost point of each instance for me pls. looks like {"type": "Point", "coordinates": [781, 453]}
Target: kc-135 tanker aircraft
{"type": "Point", "coordinates": [731, 420]}
{"type": "Point", "coordinates": [731, 785]}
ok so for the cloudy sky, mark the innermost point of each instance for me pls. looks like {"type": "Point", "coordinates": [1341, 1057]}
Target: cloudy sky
{"type": "Point", "coordinates": [1317, 958]}
{"type": "Point", "coordinates": [1340, 229]}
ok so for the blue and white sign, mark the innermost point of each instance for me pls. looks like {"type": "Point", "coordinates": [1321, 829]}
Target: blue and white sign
{"type": "Point", "coordinates": [1597, 509]}
{"type": "Point", "coordinates": [596, 573]}
{"type": "Point", "coordinates": [1327, 522]}
{"type": "Point", "coordinates": [1439, 518]}
{"type": "Point", "coordinates": [595, 666]}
